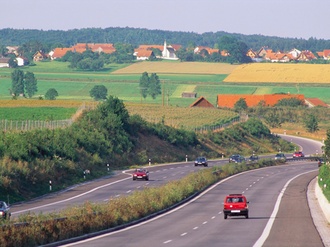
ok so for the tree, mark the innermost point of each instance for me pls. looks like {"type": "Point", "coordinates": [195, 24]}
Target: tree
{"type": "Point", "coordinates": [12, 63]}
{"type": "Point", "coordinates": [154, 86]}
{"type": "Point", "coordinates": [240, 105]}
{"type": "Point", "coordinates": [17, 77]}
{"type": "Point", "coordinates": [311, 123]}
{"type": "Point", "coordinates": [293, 102]}
{"type": "Point", "coordinates": [237, 50]}
{"type": "Point", "coordinates": [144, 84]}
{"type": "Point", "coordinates": [51, 94]}
{"type": "Point", "coordinates": [327, 145]}
{"type": "Point", "coordinates": [30, 84]}
{"type": "Point", "coordinates": [98, 92]}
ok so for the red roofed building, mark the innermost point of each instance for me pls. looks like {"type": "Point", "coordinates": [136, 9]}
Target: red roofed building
{"type": "Point", "coordinates": [202, 102]}
{"type": "Point", "coordinates": [312, 102]}
{"type": "Point", "coordinates": [143, 54]}
{"type": "Point", "coordinates": [229, 100]}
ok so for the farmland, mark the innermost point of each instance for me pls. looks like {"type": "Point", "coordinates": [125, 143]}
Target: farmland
{"type": "Point", "coordinates": [206, 79]}
{"type": "Point", "coordinates": [280, 73]}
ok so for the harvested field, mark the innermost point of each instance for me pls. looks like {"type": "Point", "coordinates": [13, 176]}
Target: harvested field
{"type": "Point", "coordinates": [280, 73]}
{"type": "Point", "coordinates": [165, 67]}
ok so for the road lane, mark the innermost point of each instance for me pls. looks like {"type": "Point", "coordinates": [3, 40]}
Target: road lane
{"type": "Point", "coordinates": [294, 225]}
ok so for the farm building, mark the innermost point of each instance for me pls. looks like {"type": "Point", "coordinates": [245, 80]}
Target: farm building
{"type": "Point", "coordinates": [229, 100]}
{"type": "Point", "coordinates": [312, 102]}
{"type": "Point", "coordinates": [189, 95]}
{"type": "Point", "coordinates": [202, 102]}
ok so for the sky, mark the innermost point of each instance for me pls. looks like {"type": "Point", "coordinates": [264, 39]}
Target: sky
{"type": "Point", "coordinates": [282, 18]}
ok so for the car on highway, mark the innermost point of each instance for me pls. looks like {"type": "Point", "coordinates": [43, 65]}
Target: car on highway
{"type": "Point", "coordinates": [320, 162]}
{"type": "Point", "coordinates": [4, 210]}
{"type": "Point", "coordinates": [253, 158]}
{"type": "Point", "coordinates": [235, 205]}
{"type": "Point", "coordinates": [298, 154]}
{"type": "Point", "coordinates": [141, 173]}
{"type": "Point", "coordinates": [201, 161]}
{"type": "Point", "coordinates": [236, 158]}
{"type": "Point", "coordinates": [280, 156]}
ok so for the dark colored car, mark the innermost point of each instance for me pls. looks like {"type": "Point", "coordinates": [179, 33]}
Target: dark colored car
{"type": "Point", "coordinates": [201, 161]}
{"type": "Point", "coordinates": [280, 156]}
{"type": "Point", "coordinates": [253, 158]}
{"type": "Point", "coordinates": [298, 154]}
{"type": "Point", "coordinates": [236, 158]}
{"type": "Point", "coordinates": [235, 205]}
{"type": "Point", "coordinates": [141, 174]}
{"type": "Point", "coordinates": [4, 210]}
{"type": "Point", "coordinates": [320, 162]}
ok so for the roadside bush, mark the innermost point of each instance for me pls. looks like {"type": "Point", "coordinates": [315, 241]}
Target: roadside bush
{"type": "Point", "coordinates": [324, 180]}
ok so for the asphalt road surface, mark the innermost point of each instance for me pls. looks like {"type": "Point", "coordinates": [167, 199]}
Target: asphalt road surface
{"type": "Point", "coordinates": [201, 222]}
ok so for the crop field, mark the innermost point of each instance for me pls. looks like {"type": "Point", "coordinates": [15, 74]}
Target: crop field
{"type": "Point", "coordinates": [280, 73]}
{"type": "Point", "coordinates": [176, 67]}
{"type": "Point", "coordinates": [37, 113]}
{"type": "Point", "coordinates": [178, 117]}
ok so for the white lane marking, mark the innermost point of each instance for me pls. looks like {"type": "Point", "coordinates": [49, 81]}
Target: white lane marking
{"type": "Point", "coordinates": [183, 234]}
{"type": "Point", "coordinates": [213, 217]}
{"type": "Point", "coordinates": [129, 191]}
{"type": "Point", "coordinates": [205, 222]}
{"type": "Point", "coordinates": [71, 198]}
{"type": "Point", "coordinates": [271, 220]}
{"type": "Point", "coordinates": [195, 228]}
{"type": "Point", "coordinates": [168, 241]}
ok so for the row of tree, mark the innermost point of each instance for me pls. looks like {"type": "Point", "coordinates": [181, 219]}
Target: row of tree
{"type": "Point", "coordinates": [284, 111]}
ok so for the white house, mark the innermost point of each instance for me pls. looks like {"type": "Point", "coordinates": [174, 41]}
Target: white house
{"type": "Point", "coordinates": [21, 61]}
{"type": "Point", "coordinates": [169, 52]}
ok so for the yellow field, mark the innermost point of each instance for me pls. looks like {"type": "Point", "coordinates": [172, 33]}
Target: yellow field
{"type": "Point", "coordinates": [164, 67]}
{"type": "Point", "coordinates": [280, 73]}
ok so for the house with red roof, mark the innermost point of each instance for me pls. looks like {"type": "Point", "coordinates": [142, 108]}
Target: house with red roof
{"type": "Point", "coordinates": [202, 102]}
{"type": "Point", "coordinates": [229, 100]}
{"type": "Point", "coordinates": [312, 102]}
{"type": "Point", "coordinates": [143, 54]}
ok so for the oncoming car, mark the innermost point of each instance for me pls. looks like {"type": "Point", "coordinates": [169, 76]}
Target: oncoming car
{"type": "Point", "coordinates": [280, 156]}
{"type": "Point", "coordinates": [201, 161]}
{"type": "Point", "coordinates": [298, 154]}
{"type": "Point", "coordinates": [236, 158]}
{"type": "Point", "coordinates": [141, 173]}
{"type": "Point", "coordinates": [235, 205]}
{"type": "Point", "coordinates": [4, 210]}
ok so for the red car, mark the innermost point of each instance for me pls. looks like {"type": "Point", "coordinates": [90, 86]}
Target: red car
{"type": "Point", "coordinates": [298, 154]}
{"type": "Point", "coordinates": [141, 174]}
{"type": "Point", "coordinates": [235, 205]}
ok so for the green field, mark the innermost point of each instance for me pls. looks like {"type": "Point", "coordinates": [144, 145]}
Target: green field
{"type": "Point", "coordinates": [75, 85]}
{"type": "Point", "coordinates": [36, 113]}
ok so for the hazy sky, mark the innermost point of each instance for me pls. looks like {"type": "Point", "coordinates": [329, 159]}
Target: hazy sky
{"type": "Point", "coordinates": [282, 18]}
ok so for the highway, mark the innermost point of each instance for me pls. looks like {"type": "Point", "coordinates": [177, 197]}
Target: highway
{"type": "Point", "coordinates": [200, 222]}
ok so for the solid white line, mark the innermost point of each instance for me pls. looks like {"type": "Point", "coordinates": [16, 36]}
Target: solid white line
{"type": "Point", "coordinates": [71, 198]}
{"type": "Point", "coordinates": [271, 220]}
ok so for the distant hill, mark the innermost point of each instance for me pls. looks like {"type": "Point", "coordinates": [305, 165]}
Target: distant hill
{"type": "Point", "coordinates": [137, 36]}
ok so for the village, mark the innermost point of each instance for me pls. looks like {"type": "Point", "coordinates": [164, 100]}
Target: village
{"type": "Point", "coordinates": [167, 52]}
